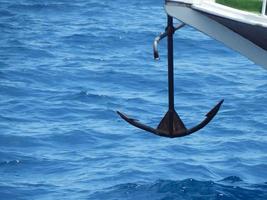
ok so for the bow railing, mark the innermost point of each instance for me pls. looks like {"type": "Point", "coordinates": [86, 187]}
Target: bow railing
{"type": "Point", "coordinates": [263, 8]}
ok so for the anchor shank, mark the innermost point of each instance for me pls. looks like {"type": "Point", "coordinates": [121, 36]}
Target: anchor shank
{"type": "Point", "coordinates": [170, 31]}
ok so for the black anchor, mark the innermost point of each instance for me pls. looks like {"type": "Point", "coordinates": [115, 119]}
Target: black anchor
{"type": "Point", "coordinates": [171, 125]}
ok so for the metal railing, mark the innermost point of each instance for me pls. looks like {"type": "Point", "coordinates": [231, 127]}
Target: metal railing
{"type": "Point", "coordinates": [263, 8]}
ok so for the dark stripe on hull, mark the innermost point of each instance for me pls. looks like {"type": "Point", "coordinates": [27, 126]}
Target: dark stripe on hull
{"type": "Point", "coordinates": [255, 33]}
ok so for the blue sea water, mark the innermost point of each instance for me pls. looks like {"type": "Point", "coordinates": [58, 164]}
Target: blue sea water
{"type": "Point", "coordinates": [67, 66]}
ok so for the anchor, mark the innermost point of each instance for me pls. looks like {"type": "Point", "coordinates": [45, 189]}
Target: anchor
{"type": "Point", "coordinates": [171, 125]}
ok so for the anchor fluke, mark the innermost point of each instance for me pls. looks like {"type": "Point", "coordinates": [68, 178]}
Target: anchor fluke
{"type": "Point", "coordinates": [209, 116]}
{"type": "Point", "coordinates": [214, 110]}
{"type": "Point", "coordinates": [137, 124]}
{"type": "Point", "coordinates": [171, 125]}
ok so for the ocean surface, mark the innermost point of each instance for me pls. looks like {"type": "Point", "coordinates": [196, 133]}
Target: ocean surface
{"type": "Point", "coordinates": [66, 67]}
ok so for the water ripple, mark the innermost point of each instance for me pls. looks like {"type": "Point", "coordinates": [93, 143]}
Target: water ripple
{"type": "Point", "coordinates": [67, 67]}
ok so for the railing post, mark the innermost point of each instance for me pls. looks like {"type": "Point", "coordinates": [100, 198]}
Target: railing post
{"type": "Point", "coordinates": [263, 8]}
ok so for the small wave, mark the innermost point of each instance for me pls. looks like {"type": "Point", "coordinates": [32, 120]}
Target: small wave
{"type": "Point", "coordinates": [10, 162]}
{"type": "Point", "coordinates": [14, 119]}
{"type": "Point", "coordinates": [9, 140]}
{"type": "Point", "coordinates": [5, 13]}
{"type": "Point", "coordinates": [29, 52]}
{"type": "Point", "coordinates": [78, 38]}
{"type": "Point", "coordinates": [82, 137]}
{"type": "Point", "coordinates": [91, 97]}
{"type": "Point", "coordinates": [232, 179]}
{"type": "Point", "coordinates": [5, 27]}
{"type": "Point", "coordinates": [59, 7]}
{"type": "Point", "coordinates": [183, 190]}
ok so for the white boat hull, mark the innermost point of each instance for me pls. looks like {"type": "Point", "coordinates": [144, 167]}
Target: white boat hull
{"type": "Point", "coordinates": [185, 13]}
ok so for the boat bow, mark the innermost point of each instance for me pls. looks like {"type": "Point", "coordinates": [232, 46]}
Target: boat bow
{"type": "Point", "coordinates": [242, 31]}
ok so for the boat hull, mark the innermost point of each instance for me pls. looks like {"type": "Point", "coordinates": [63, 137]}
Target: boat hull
{"type": "Point", "coordinates": [218, 30]}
